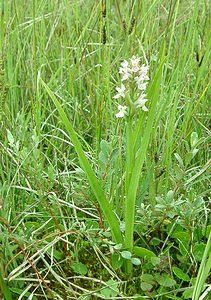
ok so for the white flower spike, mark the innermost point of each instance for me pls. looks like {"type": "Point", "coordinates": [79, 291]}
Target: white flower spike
{"type": "Point", "coordinates": [136, 77]}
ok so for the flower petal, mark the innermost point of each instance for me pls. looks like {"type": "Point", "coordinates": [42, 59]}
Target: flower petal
{"type": "Point", "coordinates": [122, 111]}
{"type": "Point", "coordinates": [144, 108]}
{"type": "Point", "coordinates": [120, 114]}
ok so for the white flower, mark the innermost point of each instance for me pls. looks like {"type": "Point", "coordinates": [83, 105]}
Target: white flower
{"type": "Point", "coordinates": [125, 76]}
{"type": "Point", "coordinates": [140, 103]}
{"type": "Point", "coordinates": [142, 85]}
{"type": "Point", "coordinates": [122, 111]}
{"type": "Point", "coordinates": [121, 92]}
{"type": "Point", "coordinates": [142, 78]}
{"type": "Point", "coordinates": [143, 73]}
{"type": "Point", "coordinates": [125, 70]}
{"type": "Point", "coordinates": [124, 64]}
{"type": "Point", "coordinates": [135, 63]}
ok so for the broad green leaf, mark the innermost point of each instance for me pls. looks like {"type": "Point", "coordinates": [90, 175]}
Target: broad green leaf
{"type": "Point", "coordinates": [180, 274]}
{"type": "Point", "coordinates": [148, 278]}
{"type": "Point", "coordinates": [10, 137]}
{"type": "Point", "coordinates": [155, 242]}
{"type": "Point", "coordinates": [187, 294]}
{"type": "Point", "coordinates": [118, 247]}
{"type": "Point", "coordinates": [117, 261]}
{"type": "Point", "coordinates": [135, 261]}
{"type": "Point", "coordinates": [165, 280]}
{"type": "Point", "coordinates": [111, 290]}
{"type": "Point", "coordinates": [194, 152]}
{"type": "Point", "coordinates": [107, 234]}
{"type": "Point", "coordinates": [145, 286]}
{"type": "Point", "coordinates": [79, 268]}
{"type": "Point", "coordinates": [143, 252]}
{"type": "Point", "coordinates": [126, 254]}
{"type": "Point", "coordinates": [155, 261]}
{"type": "Point", "coordinates": [181, 235]}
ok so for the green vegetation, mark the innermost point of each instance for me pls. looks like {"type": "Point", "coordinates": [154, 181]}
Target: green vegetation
{"type": "Point", "coordinates": [99, 201]}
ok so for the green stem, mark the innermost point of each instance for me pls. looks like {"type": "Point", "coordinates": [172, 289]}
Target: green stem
{"type": "Point", "coordinates": [129, 153]}
{"type": "Point", "coordinates": [129, 207]}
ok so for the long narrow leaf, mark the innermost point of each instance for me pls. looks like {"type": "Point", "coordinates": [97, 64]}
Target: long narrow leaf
{"type": "Point", "coordinates": [93, 181]}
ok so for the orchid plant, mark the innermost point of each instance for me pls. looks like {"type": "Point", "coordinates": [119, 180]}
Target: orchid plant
{"type": "Point", "coordinates": [132, 93]}
{"type": "Point", "coordinates": [134, 80]}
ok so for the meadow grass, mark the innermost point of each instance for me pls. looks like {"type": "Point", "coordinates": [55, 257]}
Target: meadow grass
{"type": "Point", "coordinates": [92, 206]}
